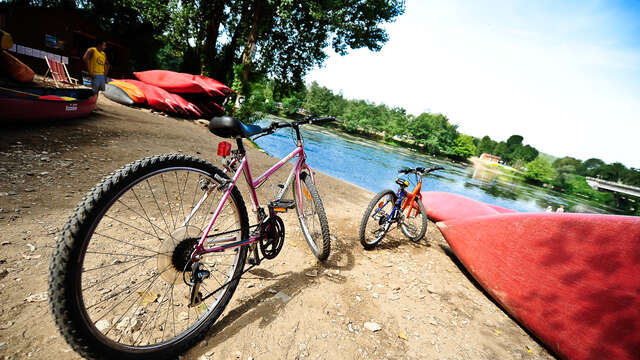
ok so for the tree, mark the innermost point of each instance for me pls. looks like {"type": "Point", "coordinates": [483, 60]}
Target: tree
{"type": "Point", "coordinates": [567, 160]}
{"type": "Point", "coordinates": [280, 38]}
{"type": "Point", "coordinates": [590, 165]}
{"type": "Point", "coordinates": [612, 172]}
{"type": "Point", "coordinates": [486, 145]}
{"type": "Point", "coordinates": [434, 132]}
{"type": "Point", "coordinates": [502, 150]}
{"type": "Point", "coordinates": [463, 146]}
{"type": "Point", "coordinates": [539, 171]}
{"type": "Point", "coordinates": [513, 142]}
{"type": "Point", "coordinates": [525, 153]}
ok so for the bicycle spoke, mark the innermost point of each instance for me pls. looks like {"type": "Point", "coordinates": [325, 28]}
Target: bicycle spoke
{"type": "Point", "coordinates": [128, 243]}
{"type": "Point", "coordinates": [131, 226]}
{"type": "Point", "coordinates": [116, 274]}
{"type": "Point", "coordinates": [158, 206]}
{"type": "Point", "coordinates": [164, 185]}
{"type": "Point", "coordinates": [147, 216]}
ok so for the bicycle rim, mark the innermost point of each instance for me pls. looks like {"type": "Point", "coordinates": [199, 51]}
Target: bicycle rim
{"type": "Point", "coordinates": [377, 224]}
{"type": "Point", "coordinates": [312, 222]}
{"type": "Point", "coordinates": [131, 287]}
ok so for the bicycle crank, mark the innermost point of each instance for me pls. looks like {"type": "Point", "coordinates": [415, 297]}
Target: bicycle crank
{"type": "Point", "coordinates": [273, 239]}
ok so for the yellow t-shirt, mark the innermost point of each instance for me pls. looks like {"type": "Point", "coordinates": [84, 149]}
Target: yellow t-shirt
{"type": "Point", "coordinates": [97, 62]}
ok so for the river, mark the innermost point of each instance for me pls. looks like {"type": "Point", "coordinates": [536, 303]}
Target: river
{"type": "Point", "coordinates": [374, 166]}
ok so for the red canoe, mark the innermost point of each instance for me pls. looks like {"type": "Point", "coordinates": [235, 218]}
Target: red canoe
{"type": "Point", "coordinates": [41, 109]}
{"type": "Point", "coordinates": [176, 82]}
{"type": "Point", "coordinates": [572, 279]}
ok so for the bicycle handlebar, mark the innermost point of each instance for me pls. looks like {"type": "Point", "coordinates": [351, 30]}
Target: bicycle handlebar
{"type": "Point", "coordinates": [308, 120]}
{"type": "Point", "coordinates": [420, 170]}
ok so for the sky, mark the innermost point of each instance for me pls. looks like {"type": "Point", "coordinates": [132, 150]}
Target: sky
{"type": "Point", "coordinates": [563, 74]}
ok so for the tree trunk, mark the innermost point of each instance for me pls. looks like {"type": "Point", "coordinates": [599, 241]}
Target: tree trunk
{"type": "Point", "coordinates": [252, 39]}
{"type": "Point", "coordinates": [214, 18]}
{"type": "Point", "coordinates": [225, 69]}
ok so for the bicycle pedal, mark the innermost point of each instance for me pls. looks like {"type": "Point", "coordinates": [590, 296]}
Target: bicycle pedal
{"type": "Point", "coordinates": [281, 206]}
{"type": "Point", "coordinates": [253, 261]}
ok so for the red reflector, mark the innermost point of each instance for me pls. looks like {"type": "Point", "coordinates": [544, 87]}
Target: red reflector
{"type": "Point", "coordinates": [224, 149]}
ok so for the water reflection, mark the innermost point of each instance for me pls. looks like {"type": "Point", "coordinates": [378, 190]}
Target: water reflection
{"type": "Point", "coordinates": [374, 166]}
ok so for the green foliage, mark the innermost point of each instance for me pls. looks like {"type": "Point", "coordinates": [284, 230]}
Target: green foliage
{"type": "Point", "coordinates": [502, 150]}
{"type": "Point", "coordinates": [463, 146]}
{"type": "Point", "coordinates": [434, 132]}
{"type": "Point", "coordinates": [539, 171]}
{"type": "Point", "coordinates": [169, 59]}
{"type": "Point", "coordinates": [258, 102]}
{"type": "Point", "coordinates": [591, 164]}
{"type": "Point", "coordinates": [291, 104]}
{"type": "Point", "coordinates": [525, 153]}
{"type": "Point", "coordinates": [281, 39]}
{"type": "Point", "coordinates": [486, 145]}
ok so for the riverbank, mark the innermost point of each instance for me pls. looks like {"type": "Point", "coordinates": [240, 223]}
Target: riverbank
{"type": "Point", "coordinates": [425, 304]}
{"type": "Point", "coordinates": [495, 168]}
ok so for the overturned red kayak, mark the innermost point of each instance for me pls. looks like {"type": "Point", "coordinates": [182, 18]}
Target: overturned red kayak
{"type": "Point", "coordinates": [176, 82]}
{"type": "Point", "coordinates": [157, 98]}
{"type": "Point", "coordinates": [442, 206]}
{"type": "Point", "coordinates": [571, 279]}
{"type": "Point", "coordinates": [186, 106]}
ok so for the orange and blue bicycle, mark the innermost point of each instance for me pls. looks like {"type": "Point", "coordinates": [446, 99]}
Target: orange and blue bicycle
{"type": "Point", "coordinates": [402, 207]}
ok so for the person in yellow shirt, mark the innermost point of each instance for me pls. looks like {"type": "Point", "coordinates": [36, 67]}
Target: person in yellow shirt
{"type": "Point", "coordinates": [97, 64]}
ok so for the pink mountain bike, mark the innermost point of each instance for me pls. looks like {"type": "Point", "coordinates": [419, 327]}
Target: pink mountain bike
{"type": "Point", "coordinates": [153, 254]}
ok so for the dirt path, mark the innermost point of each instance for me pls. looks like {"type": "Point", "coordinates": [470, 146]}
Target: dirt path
{"type": "Point", "coordinates": [425, 305]}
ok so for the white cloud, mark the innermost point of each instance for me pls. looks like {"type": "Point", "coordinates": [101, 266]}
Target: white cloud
{"type": "Point", "coordinates": [566, 79]}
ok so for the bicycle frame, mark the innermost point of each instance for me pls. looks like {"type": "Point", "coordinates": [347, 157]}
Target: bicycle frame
{"type": "Point", "coordinates": [245, 169]}
{"type": "Point", "coordinates": [404, 203]}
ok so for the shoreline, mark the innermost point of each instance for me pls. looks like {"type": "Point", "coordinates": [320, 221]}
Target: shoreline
{"type": "Point", "coordinates": [404, 287]}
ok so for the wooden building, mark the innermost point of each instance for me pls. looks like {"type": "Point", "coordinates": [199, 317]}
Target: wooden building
{"type": "Point", "coordinates": [60, 33]}
{"type": "Point", "coordinates": [490, 158]}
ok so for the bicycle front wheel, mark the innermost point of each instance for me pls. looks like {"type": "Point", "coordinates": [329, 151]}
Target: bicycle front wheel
{"type": "Point", "coordinates": [116, 283]}
{"type": "Point", "coordinates": [414, 221]}
{"type": "Point", "coordinates": [313, 220]}
{"type": "Point", "coordinates": [375, 221]}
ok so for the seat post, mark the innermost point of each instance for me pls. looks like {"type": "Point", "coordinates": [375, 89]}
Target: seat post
{"type": "Point", "coordinates": [240, 145]}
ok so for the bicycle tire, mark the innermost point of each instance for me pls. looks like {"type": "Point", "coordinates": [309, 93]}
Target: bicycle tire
{"type": "Point", "coordinates": [370, 215]}
{"type": "Point", "coordinates": [67, 295]}
{"type": "Point", "coordinates": [421, 221]}
{"type": "Point", "coordinates": [316, 231]}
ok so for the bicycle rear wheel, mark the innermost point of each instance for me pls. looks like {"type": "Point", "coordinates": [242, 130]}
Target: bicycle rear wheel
{"type": "Point", "coordinates": [313, 220]}
{"type": "Point", "coordinates": [375, 222]}
{"type": "Point", "coordinates": [414, 221]}
{"type": "Point", "coordinates": [116, 279]}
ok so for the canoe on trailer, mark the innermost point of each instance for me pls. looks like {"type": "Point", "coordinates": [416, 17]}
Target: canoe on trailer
{"type": "Point", "coordinates": [42, 103]}
{"type": "Point", "coordinates": [571, 279]}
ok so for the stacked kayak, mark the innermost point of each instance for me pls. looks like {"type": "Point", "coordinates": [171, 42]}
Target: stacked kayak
{"type": "Point", "coordinates": [572, 279]}
{"type": "Point", "coordinates": [34, 103]}
{"type": "Point", "coordinates": [171, 92]}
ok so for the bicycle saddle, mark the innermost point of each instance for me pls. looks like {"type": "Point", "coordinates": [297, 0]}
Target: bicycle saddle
{"type": "Point", "coordinates": [230, 127]}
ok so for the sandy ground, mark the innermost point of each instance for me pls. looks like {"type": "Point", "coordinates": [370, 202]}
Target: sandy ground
{"type": "Point", "coordinates": [422, 299]}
